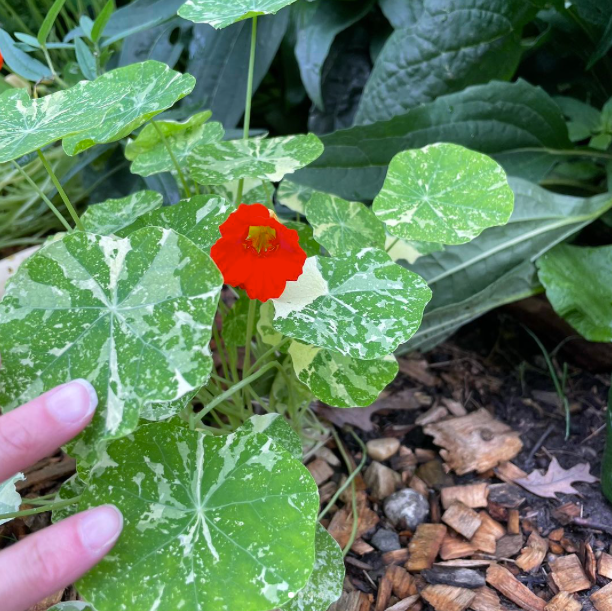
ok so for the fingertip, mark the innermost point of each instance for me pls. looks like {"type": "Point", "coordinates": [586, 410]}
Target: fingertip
{"type": "Point", "coordinates": [99, 529]}
{"type": "Point", "coordinates": [72, 403]}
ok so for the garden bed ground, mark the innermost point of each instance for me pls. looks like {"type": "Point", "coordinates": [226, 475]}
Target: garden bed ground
{"type": "Point", "coordinates": [494, 366]}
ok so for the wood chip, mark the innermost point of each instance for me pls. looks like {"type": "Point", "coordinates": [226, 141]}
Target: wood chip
{"type": "Point", "coordinates": [568, 574]}
{"type": "Point", "coordinates": [508, 472]}
{"type": "Point", "coordinates": [328, 456]}
{"type": "Point", "coordinates": [477, 563]}
{"type": "Point", "coordinates": [326, 491]}
{"type": "Point", "coordinates": [352, 601]}
{"type": "Point", "coordinates": [342, 523]}
{"type": "Point", "coordinates": [454, 407]}
{"type": "Point", "coordinates": [533, 554]}
{"type": "Point", "coordinates": [563, 601]}
{"type": "Point", "coordinates": [397, 556]}
{"type": "Point", "coordinates": [604, 565]}
{"type": "Point", "coordinates": [48, 602]}
{"type": "Point", "coordinates": [454, 547]}
{"type": "Point", "coordinates": [514, 522]}
{"type": "Point", "coordinates": [361, 548]}
{"type": "Point", "coordinates": [509, 546]}
{"type": "Point", "coordinates": [506, 583]}
{"type": "Point", "coordinates": [448, 598]}
{"type": "Point", "coordinates": [418, 370]}
{"type": "Point", "coordinates": [590, 563]}
{"type": "Point", "coordinates": [320, 470]}
{"type": "Point", "coordinates": [557, 534]}
{"type": "Point", "coordinates": [462, 519]}
{"type": "Point", "coordinates": [417, 484]}
{"type": "Point", "coordinates": [473, 495]}
{"type": "Point", "coordinates": [424, 546]}
{"type": "Point", "coordinates": [486, 600]}
{"type": "Point", "coordinates": [486, 537]}
{"type": "Point", "coordinates": [402, 582]}
{"type": "Point", "coordinates": [602, 599]}
{"type": "Point", "coordinates": [566, 513]}
{"type": "Point", "coordinates": [404, 605]}
{"type": "Point", "coordinates": [423, 455]}
{"type": "Point", "coordinates": [433, 414]}
{"type": "Point", "coordinates": [450, 576]}
{"type": "Point", "coordinates": [384, 592]}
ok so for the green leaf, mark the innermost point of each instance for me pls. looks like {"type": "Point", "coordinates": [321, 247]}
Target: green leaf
{"type": "Point", "coordinates": [339, 380]}
{"type": "Point", "coordinates": [21, 63]}
{"type": "Point", "coordinates": [363, 305]}
{"type": "Point", "coordinates": [70, 489]}
{"type": "Point", "coordinates": [221, 13]}
{"type": "Point", "coordinates": [86, 25]}
{"type": "Point", "coordinates": [409, 250]}
{"type": "Point", "coordinates": [325, 584]}
{"type": "Point", "coordinates": [49, 21]}
{"type": "Point", "coordinates": [584, 120]}
{"type": "Point", "coordinates": [113, 215]}
{"type": "Point", "coordinates": [235, 322]}
{"type": "Point", "coordinates": [307, 242]}
{"type": "Point", "coordinates": [223, 523]}
{"type": "Point", "coordinates": [85, 59]}
{"type": "Point", "coordinates": [402, 14]}
{"type": "Point", "coordinates": [101, 21]}
{"type": "Point", "coordinates": [133, 316]}
{"type": "Point", "coordinates": [293, 195]}
{"type": "Point", "coordinates": [158, 411]}
{"type": "Point", "coordinates": [277, 429]}
{"type": "Point", "coordinates": [288, 395]}
{"type": "Point", "coordinates": [10, 499]}
{"type": "Point", "coordinates": [343, 227]}
{"type": "Point", "coordinates": [197, 218]}
{"type": "Point", "coordinates": [443, 193]}
{"type": "Point", "coordinates": [150, 154]}
{"type": "Point", "coordinates": [440, 55]}
{"type": "Point", "coordinates": [254, 191]}
{"type": "Point", "coordinates": [579, 288]}
{"type": "Point", "coordinates": [266, 159]}
{"type": "Point", "coordinates": [267, 333]}
{"type": "Point", "coordinates": [72, 606]}
{"type": "Point", "coordinates": [507, 117]}
{"type": "Point", "coordinates": [136, 94]}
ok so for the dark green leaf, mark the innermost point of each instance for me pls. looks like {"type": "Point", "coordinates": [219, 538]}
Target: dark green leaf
{"type": "Point", "coordinates": [21, 63]}
{"type": "Point", "coordinates": [402, 14]}
{"type": "Point", "coordinates": [101, 21]}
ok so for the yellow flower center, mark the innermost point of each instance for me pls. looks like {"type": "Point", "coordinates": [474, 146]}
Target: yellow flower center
{"type": "Point", "coordinates": [261, 238]}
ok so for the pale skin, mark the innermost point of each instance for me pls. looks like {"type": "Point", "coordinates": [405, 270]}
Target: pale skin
{"type": "Point", "coordinates": [49, 560]}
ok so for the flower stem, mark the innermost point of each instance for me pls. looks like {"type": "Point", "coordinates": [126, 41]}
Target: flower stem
{"type": "Point", "coordinates": [249, 96]}
{"type": "Point", "coordinates": [181, 176]}
{"type": "Point", "coordinates": [250, 329]}
{"type": "Point", "coordinates": [43, 509]}
{"type": "Point", "coordinates": [60, 190]}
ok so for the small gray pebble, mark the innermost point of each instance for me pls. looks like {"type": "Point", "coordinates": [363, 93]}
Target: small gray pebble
{"type": "Point", "coordinates": [386, 540]}
{"type": "Point", "coordinates": [406, 509]}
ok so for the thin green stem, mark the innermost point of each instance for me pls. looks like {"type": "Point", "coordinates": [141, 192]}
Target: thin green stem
{"type": "Point", "coordinates": [60, 190]}
{"type": "Point", "coordinates": [390, 247]}
{"type": "Point", "coordinates": [220, 351]}
{"type": "Point", "coordinates": [250, 329]}
{"type": "Point", "coordinates": [270, 352]}
{"type": "Point", "coordinates": [59, 80]}
{"type": "Point", "coordinates": [181, 176]}
{"type": "Point", "coordinates": [43, 509]}
{"type": "Point", "coordinates": [47, 201]}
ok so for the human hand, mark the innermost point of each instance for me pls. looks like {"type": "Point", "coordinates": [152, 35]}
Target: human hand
{"type": "Point", "coordinates": [52, 559]}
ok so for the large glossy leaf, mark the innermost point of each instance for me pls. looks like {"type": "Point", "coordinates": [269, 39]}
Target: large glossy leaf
{"type": "Point", "coordinates": [493, 119]}
{"type": "Point", "coordinates": [267, 159]}
{"type": "Point", "coordinates": [10, 499]}
{"type": "Point", "coordinates": [221, 13]}
{"type": "Point", "coordinates": [343, 227]}
{"type": "Point", "coordinates": [197, 218]}
{"type": "Point", "coordinates": [113, 215]}
{"type": "Point", "coordinates": [578, 284]}
{"type": "Point", "coordinates": [402, 14]}
{"type": "Point", "coordinates": [339, 380]}
{"type": "Point", "coordinates": [440, 55]}
{"type": "Point", "coordinates": [137, 93]}
{"type": "Point", "coordinates": [133, 316]}
{"type": "Point", "coordinates": [222, 522]}
{"type": "Point", "coordinates": [363, 305]}
{"type": "Point", "coordinates": [149, 152]}
{"type": "Point", "coordinates": [443, 193]}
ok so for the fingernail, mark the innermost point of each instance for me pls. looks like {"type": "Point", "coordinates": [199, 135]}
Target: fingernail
{"type": "Point", "coordinates": [99, 528]}
{"type": "Point", "coordinates": [73, 402]}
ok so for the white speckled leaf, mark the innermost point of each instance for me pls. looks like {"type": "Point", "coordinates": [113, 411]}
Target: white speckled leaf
{"type": "Point", "coordinates": [343, 227]}
{"type": "Point", "coordinates": [443, 193]}
{"type": "Point", "coordinates": [263, 158]}
{"type": "Point", "coordinates": [133, 316]}
{"type": "Point", "coordinates": [293, 195]}
{"type": "Point", "coordinates": [278, 429]}
{"type": "Point", "coordinates": [325, 584]}
{"type": "Point", "coordinates": [339, 380]}
{"type": "Point", "coordinates": [10, 499]}
{"type": "Point", "coordinates": [70, 489]}
{"type": "Point", "coordinates": [73, 606]}
{"type": "Point", "coordinates": [197, 218]}
{"type": "Point", "coordinates": [267, 333]}
{"type": "Point", "coordinates": [157, 411]}
{"type": "Point", "coordinates": [409, 250]}
{"type": "Point", "coordinates": [211, 522]}
{"type": "Point", "coordinates": [113, 215]}
{"type": "Point", "coordinates": [138, 92]}
{"type": "Point", "coordinates": [221, 13]}
{"type": "Point", "coordinates": [363, 305]}
{"type": "Point", "coordinates": [254, 191]}
{"type": "Point", "coordinates": [154, 158]}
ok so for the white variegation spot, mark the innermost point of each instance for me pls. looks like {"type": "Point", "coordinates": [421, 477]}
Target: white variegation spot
{"type": "Point", "coordinates": [343, 227]}
{"type": "Point", "coordinates": [293, 195]}
{"type": "Point", "coordinates": [339, 380]}
{"type": "Point", "coordinates": [221, 13]}
{"type": "Point", "coordinates": [363, 305]}
{"type": "Point", "coordinates": [10, 499]}
{"type": "Point", "coordinates": [277, 428]}
{"type": "Point", "coordinates": [263, 158]}
{"type": "Point", "coordinates": [10, 265]}
{"type": "Point", "coordinates": [443, 193]}
{"type": "Point", "coordinates": [133, 316]}
{"type": "Point", "coordinates": [221, 523]}
{"type": "Point", "coordinates": [113, 215]}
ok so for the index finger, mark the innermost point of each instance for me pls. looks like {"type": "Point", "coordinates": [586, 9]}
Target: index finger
{"type": "Point", "coordinates": [39, 427]}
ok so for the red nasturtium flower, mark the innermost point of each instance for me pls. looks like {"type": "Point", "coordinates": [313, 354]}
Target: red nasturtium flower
{"type": "Point", "coordinates": [258, 253]}
{"type": "Point", "coordinates": [1, 61]}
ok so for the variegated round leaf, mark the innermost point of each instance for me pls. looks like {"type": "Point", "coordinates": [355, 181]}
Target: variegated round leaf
{"type": "Point", "coordinates": [221, 13]}
{"type": "Point", "coordinates": [222, 523]}
{"type": "Point", "coordinates": [133, 316]}
{"type": "Point", "coordinates": [278, 429]}
{"type": "Point", "coordinates": [343, 227]}
{"type": "Point", "coordinates": [293, 195]}
{"type": "Point", "coordinates": [254, 191]}
{"type": "Point", "coordinates": [158, 411]}
{"type": "Point", "coordinates": [443, 193]}
{"type": "Point", "coordinates": [339, 380]}
{"type": "Point", "coordinates": [263, 158]}
{"type": "Point", "coordinates": [363, 305]}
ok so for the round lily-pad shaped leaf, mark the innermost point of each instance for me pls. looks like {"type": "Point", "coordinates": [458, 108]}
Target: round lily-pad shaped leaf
{"type": "Point", "coordinates": [157, 411]}
{"type": "Point", "coordinates": [363, 305]}
{"type": "Point", "coordinates": [339, 380]}
{"type": "Point", "coordinates": [10, 499]}
{"type": "Point", "coordinates": [278, 429]}
{"type": "Point", "coordinates": [343, 227]}
{"type": "Point", "coordinates": [138, 93]}
{"type": "Point", "coordinates": [113, 215]}
{"type": "Point", "coordinates": [264, 158]}
{"type": "Point", "coordinates": [443, 193]}
{"type": "Point", "coordinates": [325, 584]}
{"type": "Point", "coordinates": [221, 13]}
{"type": "Point", "coordinates": [293, 195]}
{"type": "Point", "coordinates": [211, 522]}
{"type": "Point", "coordinates": [133, 316]}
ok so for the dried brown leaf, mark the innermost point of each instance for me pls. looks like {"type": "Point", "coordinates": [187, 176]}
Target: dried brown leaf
{"type": "Point", "coordinates": [556, 479]}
